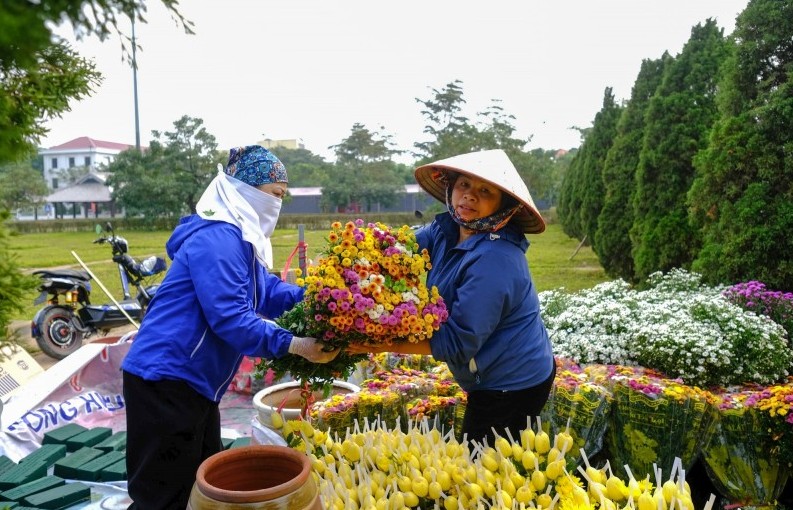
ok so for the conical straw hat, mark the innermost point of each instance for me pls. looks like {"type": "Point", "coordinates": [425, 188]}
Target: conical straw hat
{"type": "Point", "coordinates": [492, 166]}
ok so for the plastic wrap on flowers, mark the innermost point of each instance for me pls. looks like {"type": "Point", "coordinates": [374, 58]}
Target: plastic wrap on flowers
{"type": "Point", "coordinates": [391, 360]}
{"type": "Point", "coordinates": [377, 401]}
{"type": "Point", "coordinates": [437, 410]}
{"type": "Point", "coordinates": [580, 408]}
{"type": "Point", "coordinates": [336, 414]}
{"type": "Point", "coordinates": [459, 414]}
{"type": "Point", "coordinates": [740, 460]}
{"type": "Point", "coordinates": [652, 421]}
{"type": "Point", "coordinates": [776, 402]}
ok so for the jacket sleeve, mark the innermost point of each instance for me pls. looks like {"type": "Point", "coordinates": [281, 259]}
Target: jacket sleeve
{"type": "Point", "coordinates": [424, 237]}
{"type": "Point", "coordinates": [222, 266]}
{"type": "Point", "coordinates": [275, 295]}
{"type": "Point", "coordinates": [483, 286]}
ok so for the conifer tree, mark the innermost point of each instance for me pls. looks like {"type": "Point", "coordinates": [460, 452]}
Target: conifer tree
{"type": "Point", "coordinates": [742, 198]}
{"type": "Point", "coordinates": [570, 197]}
{"type": "Point", "coordinates": [612, 241]}
{"type": "Point", "coordinates": [599, 141]}
{"type": "Point", "coordinates": [677, 123]}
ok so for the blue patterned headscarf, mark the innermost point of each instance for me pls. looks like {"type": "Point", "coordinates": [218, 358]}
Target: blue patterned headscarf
{"type": "Point", "coordinates": [254, 165]}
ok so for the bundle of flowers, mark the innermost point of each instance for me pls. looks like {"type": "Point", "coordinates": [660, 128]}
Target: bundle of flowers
{"type": "Point", "coordinates": [663, 326]}
{"type": "Point", "coordinates": [367, 287]}
{"type": "Point", "coordinates": [388, 397]}
{"type": "Point", "coordinates": [379, 402]}
{"type": "Point", "coordinates": [655, 420]}
{"type": "Point", "coordinates": [741, 457]}
{"type": "Point", "coordinates": [439, 411]}
{"type": "Point", "coordinates": [408, 382]}
{"type": "Point", "coordinates": [337, 413]}
{"type": "Point", "coordinates": [579, 407]}
{"type": "Point", "coordinates": [391, 360]}
{"type": "Point", "coordinates": [776, 405]}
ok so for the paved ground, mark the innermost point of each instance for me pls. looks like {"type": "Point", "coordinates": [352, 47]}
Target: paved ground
{"type": "Point", "coordinates": [29, 343]}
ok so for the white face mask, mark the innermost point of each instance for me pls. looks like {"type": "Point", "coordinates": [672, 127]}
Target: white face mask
{"type": "Point", "coordinates": [266, 206]}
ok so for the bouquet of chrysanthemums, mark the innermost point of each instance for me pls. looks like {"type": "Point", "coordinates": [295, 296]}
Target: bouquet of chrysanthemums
{"type": "Point", "coordinates": [742, 453]}
{"type": "Point", "coordinates": [367, 287]}
{"type": "Point", "coordinates": [655, 420]}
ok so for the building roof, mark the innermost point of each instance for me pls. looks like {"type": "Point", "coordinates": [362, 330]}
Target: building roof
{"type": "Point", "coordinates": [85, 142]}
{"type": "Point", "coordinates": [88, 191]}
{"type": "Point", "coordinates": [93, 176]}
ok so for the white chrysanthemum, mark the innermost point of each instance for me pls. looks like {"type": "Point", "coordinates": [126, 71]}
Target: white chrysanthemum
{"type": "Point", "coordinates": [677, 325]}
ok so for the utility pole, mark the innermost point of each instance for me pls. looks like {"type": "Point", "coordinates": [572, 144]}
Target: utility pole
{"type": "Point", "coordinates": [135, 83]}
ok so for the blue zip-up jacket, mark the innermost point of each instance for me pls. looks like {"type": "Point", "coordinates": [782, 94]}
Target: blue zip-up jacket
{"type": "Point", "coordinates": [206, 314]}
{"type": "Point", "coordinates": [494, 311]}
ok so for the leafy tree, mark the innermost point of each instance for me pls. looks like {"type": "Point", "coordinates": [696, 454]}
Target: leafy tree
{"type": "Point", "coordinates": [612, 240]}
{"type": "Point", "coordinates": [69, 176]}
{"type": "Point", "coordinates": [175, 169]}
{"type": "Point", "coordinates": [742, 197]}
{"type": "Point", "coordinates": [677, 123]}
{"type": "Point", "coordinates": [21, 186]}
{"type": "Point", "coordinates": [553, 177]}
{"type": "Point", "coordinates": [496, 130]}
{"type": "Point", "coordinates": [364, 172]}
{"type": "Point", "coordinates": [34, 91]}
{"type": "Point", "coordinates": [303, 167]}
{"type": "Point", "coordinates": [40, 73]}
{"type": "Point", "coordinates": [538, 169]}
{"type": "Point", "coordinates": [14, 285]}
{"type": "Point", "coordinates": [451, 132]}
{"type": "Point", "coordinates": [138, 177]}
{"type": "Point", "coordinates": [191, 154]}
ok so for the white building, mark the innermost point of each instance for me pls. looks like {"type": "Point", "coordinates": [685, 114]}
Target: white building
{"type": "Point", "coordinates": [81, 152]}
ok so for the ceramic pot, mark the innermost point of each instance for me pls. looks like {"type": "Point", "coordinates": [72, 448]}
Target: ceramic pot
{"type": "Point", "coordinates": [255, 477]}
{"type": "Point", "coordinates": [268, 400]}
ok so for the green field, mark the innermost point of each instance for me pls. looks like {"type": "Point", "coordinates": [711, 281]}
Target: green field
{"type": "Point", "coordinates": [549, 257]}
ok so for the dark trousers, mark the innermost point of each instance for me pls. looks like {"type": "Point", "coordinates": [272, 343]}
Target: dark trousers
{"type": "Point", "coordinates": [171, 429]}
{"type": "Point", "coordinates": [502, 410]}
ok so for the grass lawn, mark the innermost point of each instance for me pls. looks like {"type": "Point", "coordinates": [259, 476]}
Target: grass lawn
{"type": "Point", "coordinates": [549, 257]}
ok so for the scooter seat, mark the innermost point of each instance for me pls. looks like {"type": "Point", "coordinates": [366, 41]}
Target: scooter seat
{"type": "Point", "coordinates": [64, 273]}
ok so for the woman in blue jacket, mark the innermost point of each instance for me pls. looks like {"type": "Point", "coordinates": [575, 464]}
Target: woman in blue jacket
{"type": "Point", "coordinates": [208, 313]}
{"type": "Point", "coordinates": [494, 342]}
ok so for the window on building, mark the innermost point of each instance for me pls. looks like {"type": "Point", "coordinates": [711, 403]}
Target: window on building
{"type": "Point", "coordinates": [54, 183]}
{"type": "Point", "coordinates": [54, 162]}
{"type": "Point", "coordinates": [71, 162]}
{"type": "Point", "coordinates": [88, 161]}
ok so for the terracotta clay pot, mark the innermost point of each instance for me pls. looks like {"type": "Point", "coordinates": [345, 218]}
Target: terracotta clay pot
{"type": "Point", "coordinates": [255, 477]}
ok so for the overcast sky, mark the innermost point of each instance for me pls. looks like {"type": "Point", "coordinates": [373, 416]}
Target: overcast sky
{"type": "Point", "coordinates": [310, 69]}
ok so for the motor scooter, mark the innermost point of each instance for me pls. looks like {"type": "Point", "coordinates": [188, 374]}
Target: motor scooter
{"type": "Point", "coordinates": [69, 317]}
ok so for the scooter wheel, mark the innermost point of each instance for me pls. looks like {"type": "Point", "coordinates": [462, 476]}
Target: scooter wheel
{"type": "Point", "coordinates": [59, 337]}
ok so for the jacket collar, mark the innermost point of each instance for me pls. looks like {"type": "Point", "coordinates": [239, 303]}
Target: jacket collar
{"type": "Point", "coordinates": [451, 231]}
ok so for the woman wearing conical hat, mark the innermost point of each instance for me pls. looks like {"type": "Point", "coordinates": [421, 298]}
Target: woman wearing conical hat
{"type": "Point", "coordinates": [494, 342]}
